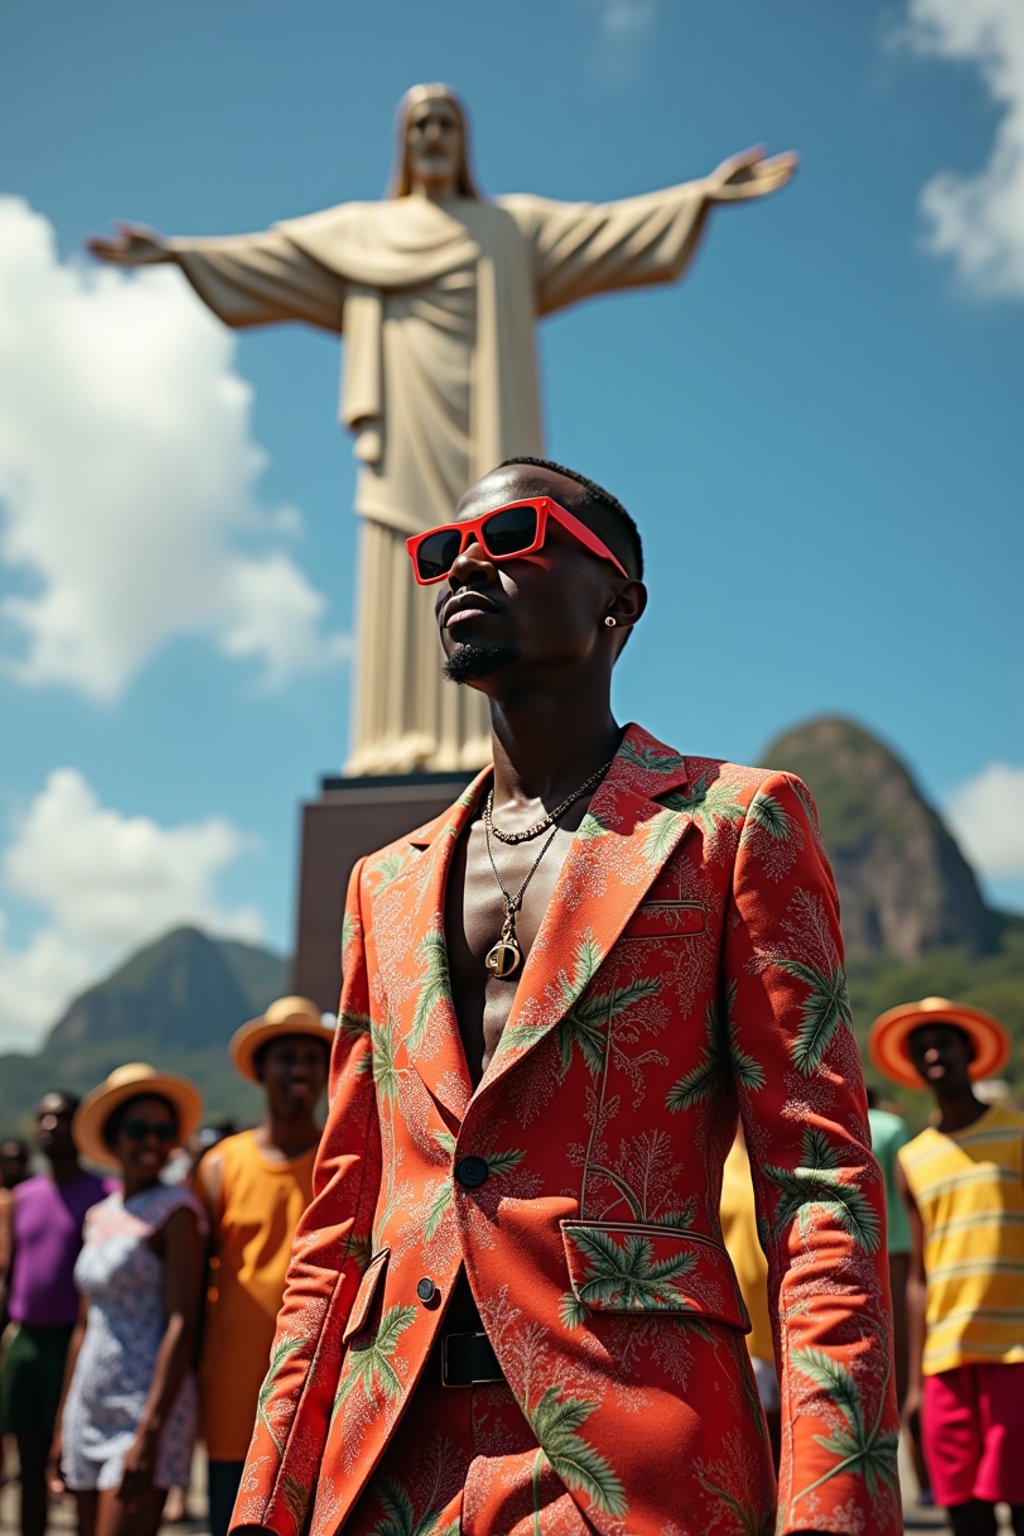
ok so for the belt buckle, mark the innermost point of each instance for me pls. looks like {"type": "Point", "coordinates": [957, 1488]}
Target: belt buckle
{"type": "Point", "coordinates": [475, 1381]}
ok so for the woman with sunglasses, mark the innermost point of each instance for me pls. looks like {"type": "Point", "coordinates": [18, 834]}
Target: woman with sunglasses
{"type": "Point", "coordinates": [128, 1417]}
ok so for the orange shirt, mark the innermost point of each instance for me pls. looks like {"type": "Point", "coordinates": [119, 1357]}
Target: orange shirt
{"type": "Point", "coordinates": [252, 1221]}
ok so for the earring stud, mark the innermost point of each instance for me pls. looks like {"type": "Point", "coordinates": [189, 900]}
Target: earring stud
{"type": "Point", "coordinates": [609, 621]}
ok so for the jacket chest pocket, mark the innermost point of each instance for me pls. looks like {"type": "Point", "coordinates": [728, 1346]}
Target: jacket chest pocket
{"type": "Point", "coordinates": [632, 1267]}
{"type": "Point", "coordinates": [665, 919]}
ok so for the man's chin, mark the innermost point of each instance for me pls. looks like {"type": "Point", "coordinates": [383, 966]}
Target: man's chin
{"type": "Point", "coordinates": [468, 663]}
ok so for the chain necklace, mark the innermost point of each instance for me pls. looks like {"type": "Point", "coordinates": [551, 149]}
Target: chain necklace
{"type": "Point", "coordinates": [549, 820]}
{"type": "Point", "coordinates": [505, 957]}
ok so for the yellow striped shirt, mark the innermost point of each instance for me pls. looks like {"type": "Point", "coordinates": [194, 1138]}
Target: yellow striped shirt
{"type": "Point", "coordinates": [969, 1188]}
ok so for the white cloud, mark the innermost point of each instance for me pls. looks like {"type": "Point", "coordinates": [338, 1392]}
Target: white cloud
{"type": "Point", "coordinates": [272, 613]}
{"type": "Point", "coordinates": [978, 220]}
{"type": "Point", "coordinates": [106, 883]}
{"type": "Point", "coordinates": [126, 476]}
{"type": "Point", "coordinates": [986, 815]}
{"type": "Point", "coordinates": [622, 28]}
{"type": "Point", "coordinates": [626, 18]}
{"type": "Point", "coordinates": [35, 983]}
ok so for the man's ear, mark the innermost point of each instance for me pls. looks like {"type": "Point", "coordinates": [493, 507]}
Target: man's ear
{"type": "Point", "coordinates": [629, 604]}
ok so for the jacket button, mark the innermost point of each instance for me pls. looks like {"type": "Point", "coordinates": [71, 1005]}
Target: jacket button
{"type": "Point", "coordinates": [426, 1290]}
{"type": "Point", "coordinates": [471, 1172]}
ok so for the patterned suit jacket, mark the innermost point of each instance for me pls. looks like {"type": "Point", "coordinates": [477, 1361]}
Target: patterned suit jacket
{"type": "Point", "coordinates": [689, 963]}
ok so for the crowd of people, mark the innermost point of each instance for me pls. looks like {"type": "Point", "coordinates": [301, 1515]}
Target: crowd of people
{"type": "Point", "coordinates": [141, 1311]}
{"type": "Point", "coordinates": [140, 1307]}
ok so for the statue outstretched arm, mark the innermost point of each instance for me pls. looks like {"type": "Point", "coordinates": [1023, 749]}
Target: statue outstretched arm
{"type": "Point", "coordinates": [582, 249]}
{"type": "Point", "coordinates": [134, 245]}
{"type": "Point", "coordinates": [750, 174]}
{"type": "Point", "coordinates": [245, 279]}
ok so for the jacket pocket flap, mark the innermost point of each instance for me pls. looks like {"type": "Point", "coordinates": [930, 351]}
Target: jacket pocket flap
{"type": "Point", "coordinates": [360, 1313]}
{"type": "Point", "coordinates": [627, 1267]}
{"type": "Point", "coordinates": [665, 920]}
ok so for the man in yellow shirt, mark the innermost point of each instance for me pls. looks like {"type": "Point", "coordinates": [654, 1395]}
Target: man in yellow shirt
{"type": "Point", "coordinates": [255, 1186]}
{"type": "Point", "coordinates": [963, 1183]}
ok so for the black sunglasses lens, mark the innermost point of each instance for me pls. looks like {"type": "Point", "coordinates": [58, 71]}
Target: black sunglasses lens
{"type": "Point", "coordinates": [138, 1130]}
{"type": "Point", "coordinates": [437, 554]}
{"type": "Point", "coordinates": [510, 531]}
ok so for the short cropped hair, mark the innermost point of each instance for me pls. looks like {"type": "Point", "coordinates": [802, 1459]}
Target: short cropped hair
{"type": "Point", "coordinates": [604, 513]}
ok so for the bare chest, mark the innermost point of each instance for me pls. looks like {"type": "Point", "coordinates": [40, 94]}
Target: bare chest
{"type": "Point", "coordinates": [475, 919]}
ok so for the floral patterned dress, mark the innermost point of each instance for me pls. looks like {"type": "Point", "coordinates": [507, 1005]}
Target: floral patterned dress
{"type": "Point", "coordinates": [123, 1280]}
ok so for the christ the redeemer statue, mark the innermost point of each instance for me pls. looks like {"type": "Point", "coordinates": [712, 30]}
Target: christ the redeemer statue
{"type": "Point", "coordinates": [436, 291]}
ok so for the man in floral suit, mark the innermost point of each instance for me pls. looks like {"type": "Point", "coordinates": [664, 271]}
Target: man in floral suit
{"type": "Point", "coordinates": [509, 1309]}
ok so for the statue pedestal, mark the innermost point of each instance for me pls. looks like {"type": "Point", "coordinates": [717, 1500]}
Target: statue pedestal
{"type": "Point", "coordinates": [351, 818]}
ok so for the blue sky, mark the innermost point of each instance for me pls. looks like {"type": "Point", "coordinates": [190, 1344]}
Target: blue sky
{"type": "Point", "coordinates": [818, 430]}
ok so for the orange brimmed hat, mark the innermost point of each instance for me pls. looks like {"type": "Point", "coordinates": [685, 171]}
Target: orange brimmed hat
{"type": "Point", "coordinates": [131, 1082]}
{"type": "Point", "coordinates": [286, 1016]}
{"type": "Point", "coordinates": [891, 1031]}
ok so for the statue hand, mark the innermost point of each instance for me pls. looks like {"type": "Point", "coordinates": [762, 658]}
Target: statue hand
{"type": "Point", "coordinates": [750, 174]}
{"type": "Point", "coordinates": [133, 246]}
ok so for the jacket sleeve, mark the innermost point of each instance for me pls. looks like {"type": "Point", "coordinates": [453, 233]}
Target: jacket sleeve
{"type": "Point", "coordinates": [329, 1252]}
{"type": "Point", "coordinates": [820, 1196]}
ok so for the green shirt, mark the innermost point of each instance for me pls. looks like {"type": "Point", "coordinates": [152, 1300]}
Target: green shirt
{"type": "Point", "coordinates": [888, 1134]}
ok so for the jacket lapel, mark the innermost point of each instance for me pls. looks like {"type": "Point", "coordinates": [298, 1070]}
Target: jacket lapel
{"type": "Point", "coordinates": [622, 844]}
{"type": "Point", "coordinates": [409, 914]}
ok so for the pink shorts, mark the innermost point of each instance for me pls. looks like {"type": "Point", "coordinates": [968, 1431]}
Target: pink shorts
{"type": "Point", "coordinates": [972, 1419]}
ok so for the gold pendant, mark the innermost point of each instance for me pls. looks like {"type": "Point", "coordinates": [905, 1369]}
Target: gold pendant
{"type": "Point", "coordinates": [505, 957]}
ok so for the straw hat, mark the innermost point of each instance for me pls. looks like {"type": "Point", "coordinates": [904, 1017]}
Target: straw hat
{"type": "Point", "coordinates": [888, 1042]}
{"type": "Point", "coordinates": [286, 1016]}
{"type": "Point", "coordinates": [130, 1082]}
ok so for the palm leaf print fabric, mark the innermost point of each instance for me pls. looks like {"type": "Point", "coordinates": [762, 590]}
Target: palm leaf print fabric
{"type": "Point", "coordinates": [688, 970]}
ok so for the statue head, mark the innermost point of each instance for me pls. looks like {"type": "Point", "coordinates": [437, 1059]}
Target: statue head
{"type": "Point", "coordinates": [432, 145]}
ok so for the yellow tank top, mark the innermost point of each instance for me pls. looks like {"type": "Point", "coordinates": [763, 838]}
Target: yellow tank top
{"type": "Point", "coordinates": [259, 1207]}
{"type": "Point", "coordinates": [969, 1188]}
{"type": "Point", "coordinates": [739, 1232]}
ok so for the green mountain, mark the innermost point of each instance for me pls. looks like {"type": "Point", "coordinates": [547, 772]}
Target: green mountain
{"type": "Point", "coordinates": [175, 1003]}
{"type": "Point", "coordinates": [914, 920]}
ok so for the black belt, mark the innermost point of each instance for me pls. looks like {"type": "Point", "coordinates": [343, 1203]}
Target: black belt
{"type": "Point", "coordinates": [467, 1360]}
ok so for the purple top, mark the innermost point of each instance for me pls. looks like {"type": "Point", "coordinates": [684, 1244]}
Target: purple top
{"type": "Point", "coordinates": [48, 1221]}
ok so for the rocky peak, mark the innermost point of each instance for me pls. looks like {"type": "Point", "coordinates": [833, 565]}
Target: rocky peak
{"type": "Point", "coordinates": [904, 886]}
{"type": "Point", "coordinates": [185, 988]}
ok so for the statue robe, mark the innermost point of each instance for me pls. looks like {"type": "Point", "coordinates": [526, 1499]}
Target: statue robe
{"type": "Point", "coordinates": [437, 305]}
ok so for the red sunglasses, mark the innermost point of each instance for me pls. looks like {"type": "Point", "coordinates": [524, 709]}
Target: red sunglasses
{"type": "Point", "coordinates": [504, 534]}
